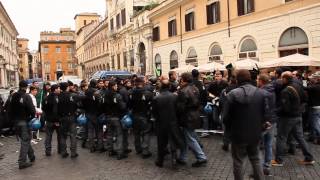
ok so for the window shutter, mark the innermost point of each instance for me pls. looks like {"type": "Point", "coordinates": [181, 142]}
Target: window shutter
{"type": "Point", "coordinates": [169, 29]}
{"type": "Point", "coordinates": [240, 7]}
{"type": "Point", "coordinates": [218, 11]}
{"type": "Point", "coordinates": [252, 5]}
{"type": "Point", "coordinates": [174, 24]}
{"type": "Point", "coordinates": [209, 14]}
{"type": "Point", "coordinates": [187, 24]}
{"type": "Point", "coordinates": [192, 21]}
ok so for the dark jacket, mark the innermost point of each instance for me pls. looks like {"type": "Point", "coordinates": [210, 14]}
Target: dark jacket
{"type": "Point", "coordinates": [67, 105]}
{"type": "Point", "coordinates": [313, 92]}
{"type": "Point", "coordinates": [173, 86]}
{"type": "Point", "coordinates": [50, 107]}
{"type": "Point", "coordinates": [21, 107]}
{"type": "Point", "coordinates": [244, 114]}
{"type": "Point", "coordinates": [203, 94]}
{"type": "Point", "coordinates": [164, 111]}
{"type": "Point", "coordinates": [114, 104]}
{"type": "Point", "coordinates": [216, 87]}
{"type": "Point", "coordinates": [140, 102]}
{"type": "Point", "coordinates": [91, 101]}
{"type": "Point", "coordinates": [292, 99]}
{"type": "Point", "coordinates": [269, 93]}
{"type": "Point", "coordinates": [188, 107]}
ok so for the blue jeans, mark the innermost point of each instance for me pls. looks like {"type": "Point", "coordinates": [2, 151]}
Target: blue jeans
{"type": "Point", "coordinates": [191, 142]}
{"type": "Point", "coordinates": [315, 122]}
{"type": "Point", "coordinates": [267, 140]}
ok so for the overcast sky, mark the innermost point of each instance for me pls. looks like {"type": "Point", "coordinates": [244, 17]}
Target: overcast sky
{"type": "Point", "coordinates": [33, 16]}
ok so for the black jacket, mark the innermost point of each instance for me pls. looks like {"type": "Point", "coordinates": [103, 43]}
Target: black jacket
{"type": "Point", "coordinates": [140, 102]}
{"type": "Point", "coordinates": [50, 107]}
{"type": "Point", "coordinates": [313, 92]}
{"type": "Point", "coordinates": [244, 114]}
{"type": "Point", "coordinates": [189, 107]}
{"type": "Point", "coordinates": [292, 100]}
{"type": "Point", "coordinates": [164, 111]}
{"type": "Point", "coordinates": [114, 104]}
{"type": "Point", "coordinates": [21, 107]}
{"type": "Point", "coordinates": [269, 92]}
{"type": "Point", "coordinates": [67, 105]}
{"type": "Point", "coordinates": [203, 94]}
{"type": "Point", "coordinates": [91, 101]}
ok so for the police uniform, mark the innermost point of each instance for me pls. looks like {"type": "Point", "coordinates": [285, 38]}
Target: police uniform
{"type": "Point", "coordinates": [67, 107]}
{"type": "Point", "coordinates": [21, 112]}
{"type": "Point", "coordinates": [140, 105]}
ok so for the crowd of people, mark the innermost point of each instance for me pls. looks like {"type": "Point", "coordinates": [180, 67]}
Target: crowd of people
{"type": "Point", "coordinates": [250, 108]}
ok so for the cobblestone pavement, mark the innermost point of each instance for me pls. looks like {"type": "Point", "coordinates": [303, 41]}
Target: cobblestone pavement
{"type": "Point", "coordinates": [98, 166]}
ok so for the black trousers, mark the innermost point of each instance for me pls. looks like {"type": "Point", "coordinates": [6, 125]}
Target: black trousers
{"type": "Point", "coordinates": [50, 128]}
{"type": "Point", "coordinates": [68, 128]}
{"type": "Point", "coordinates": [163, 139]}
{"type": "Point", "coordinates": [26, 150]}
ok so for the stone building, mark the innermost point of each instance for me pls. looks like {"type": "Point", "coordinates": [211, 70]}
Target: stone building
{"type": "Point", "coordinates": [8, 51]}
{"type": "Point", "coordinates": [24, 65]}
{"type": "Point", "coordinates": [57, 54]}
{"type": "Point", "coordinates": [199, 31]}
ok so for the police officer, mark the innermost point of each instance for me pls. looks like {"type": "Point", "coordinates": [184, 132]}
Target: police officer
{"type": "Point", "coordinates": [66, 109]}
{"type": "Point", "coordinates": [115, 108]}
{"type": "Point", "coordinates": [21, 112]}
{"type": "Point", "coordinates": [140, 104]}
{"type": "Point", "coordinates": [50, 108]}
{"type": "Point", "coordinates": [91, 107]}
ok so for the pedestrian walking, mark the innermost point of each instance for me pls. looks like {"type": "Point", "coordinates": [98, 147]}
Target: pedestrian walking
{"type": "Point", "coordinates": [244, 117]}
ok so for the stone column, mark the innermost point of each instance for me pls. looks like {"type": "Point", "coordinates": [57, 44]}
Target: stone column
{"type": "Point", "coordinates": [2, 77]}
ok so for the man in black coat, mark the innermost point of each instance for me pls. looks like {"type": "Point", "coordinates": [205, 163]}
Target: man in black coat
{"type": "Point", "coordinates": [188, 109]}
{"type": "Point", "coordinates": [290, 119]}
{"type": "Point", "coordinates": [21, 112]}
{"type": "Point", "coordinates": [164, 111]}
{"type": "Point", "coordinates": [244, 116]}
{"type": "Point", "coordinates": [50, 108]}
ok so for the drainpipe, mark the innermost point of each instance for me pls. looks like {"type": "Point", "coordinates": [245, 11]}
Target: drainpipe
{"type": "Point", "coordinates": [229, 33]}
{"type": "Point", "coordinates": [180, 30]}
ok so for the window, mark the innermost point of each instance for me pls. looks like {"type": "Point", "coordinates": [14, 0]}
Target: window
{"type": "Point", "coordinates": [85, 22]}
{"type": "Point", "coordinates": [287, 1]}
{"type": "Point", "coordinates": [173, 60]}
{"type": "Point", "coordinates": [158, 65]}
{"type": "Point", "coordinates": [69, 49]}
{"type": "Point", "coordinates": [192, 57]}
{"type": "Point", "coordinates": [131, 58]}
{"type": "Point", "coordinates": [118, 21]}
{"type": "Point", "coordinates": [248, 49]}
{"type": "Point", "coordinates": [59, 66]}
{"type": "Point", "coordinates": [172, 28]}
{"type": "Point", "coordinates": [45, 49]}
{"type": "Point", "coordinates": [123, 17]}
{"type": "Point", "coordinates": [48, 77]}
{"type": "Point", "coordinates": [245, 7]}
{"type": "Point", "coordinates": [125, 63]}
{"type": "Point", "coordinates": [213, 13]}
{"type": "Point", "coordinates": [112, 62]}
{"type": "Point", "coordinates": [47, 67]}
{"type": "Point", "coordinates": [20, 45]}
{"type": "Point", "coordinates": [70, 66]}
{"type": "Point", "coordinates": [215, 53]}
{"type": "Point", "coordinates": [118, 60]}
{"type": "Point", "coordinates": [189, 21]}
{"type": "Point", "coordinates": [20, 56]}
{"type": "Point", "coordinates": [156, 33]}
{"type": "Point", "coordinates": [58, 49]}
{"type": "Point", "coordinates": [293, 40]}
{"type": "Point", "coordinates": [111, 24]}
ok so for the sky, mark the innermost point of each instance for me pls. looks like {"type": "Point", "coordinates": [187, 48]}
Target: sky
{"type": "Point", "coordinates": [33, 16]}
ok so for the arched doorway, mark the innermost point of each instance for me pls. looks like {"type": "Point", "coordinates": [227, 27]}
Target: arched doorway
{"type": "Point", "coordinates": [104, 67]}
{"type": "Point", "coordinates": [293, 40]}
{"type": "Point", "coordinates": [108, 67]}
{"type": "Point", "coordinates": [142, 58]}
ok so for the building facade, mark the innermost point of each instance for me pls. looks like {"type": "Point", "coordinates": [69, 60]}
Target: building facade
{"type": "Point", "coordinates": [24, 64]}
{"type": "Point", "coordinates": [200, 31]}
{"type": "Point", "coordinates": [36, 69]}
{"type": "Point", "coordinates": [8, 51]}
{"type": "Point", "coordinates": [57, 54]}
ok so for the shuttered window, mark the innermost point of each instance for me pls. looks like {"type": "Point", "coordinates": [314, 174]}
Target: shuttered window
{"type": "Point", "coordinates": [245, 7]}
{"type": "Point", "coordinates": [189, 21]}
{"type": "Point", "coordinates": [123, 17]}
{"type": "Point", "coordinates": [156, 34]}
{"type": "Point", "coordinates": [213, 13]}
{"type": "Point", "coordinates": [172, 28]}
